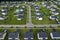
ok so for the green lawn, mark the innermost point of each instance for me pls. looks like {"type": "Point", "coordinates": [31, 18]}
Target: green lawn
{"type": "Point", "coordinates": [13, 19]}
{"type": "Point", "coordinates": [45, 12]}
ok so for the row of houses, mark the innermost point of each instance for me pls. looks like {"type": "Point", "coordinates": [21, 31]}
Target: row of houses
{"type": "Point", "coordinates": [37, 12]}
{"type": "Point", "coordinates": [9, 5]}
{"type": "Point", "coordinates": [20, 13]}
{"type": "Point", "coordinates": [57, 2]}
{"type": "Point", "coordinates": [53, 10]}
{"type": "Point", "coordinates": [43, 35]}
{"type": "Point", "coordinates": [3, 13]}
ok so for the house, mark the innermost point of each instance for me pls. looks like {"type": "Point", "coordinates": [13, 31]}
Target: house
{"type": "Point", "coordinates": [39, 17]}
{"type": "Point", "coordinates": [2, 35]}
{"type": "Point", "coordinates": [11, 5]}
{"type": "Point", "coordinates": [44, 4]}
{"type": "Point", "coordinates": [36, 6]}
{"type": "Point", "coordinates": [53, 17]}
{"type": "Point", "coordinates": [42, 36]}
{"type": "Point", "coordinates": [55, 35]}
{"type": "Point", "coordinates": [21, 10]}
{"type": "Point", "coordinates": [3, 17]}
{"type": "Point", "coordinates": [55, 2]}
{"type": "Point", "coordinates": [23, 7]}
{"type": "Point", "coordinates": [48, 6]}
{"type": "Point", "coordinates": [20, 17]}
{"type": "Point", "coordinates": [55, 13]}
{"type": "Point", "coordinates": [4, 12]}
{"type": "Point", "coordinates": [38, 13]}
{"type": "Point", "coordinates": [21, 13]}
{"type": "Point", "coordinates": [3, 5]}
{"type": "Point", "coordinates": [4, 9]}
{"type": "Point", "coordinates": [58, 3]}
{"type": "Point", "coordinates": [28, 36]}
{"type": "Point", "coordinates": [33, 3]}
{"type": "Point", "coordinates": [17, 11]}
{"type": "Point", "coordinates": [53, 9]}
{"type": "Point", "coordinates": [13, 36]}
{"type": "Point", "coordinates": [17, 5]}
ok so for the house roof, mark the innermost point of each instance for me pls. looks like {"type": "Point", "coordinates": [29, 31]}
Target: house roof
{"type": "Point", "coordinates": [20, 16]}
{"type": "Point", "coordinates": [17, 10]}
{"type": "Point", "coordinates": [44, 39]}
{"type": "Point", "coordinates": [28, 35]}
{"type": "Point", "coordinates": [13, 35]}
{"type": "Point", "coordinates": [3, 4]}
{"type": "Point", "coordinates": [56, 34]}
{"type": "Point", "coordinates": [21, 12]}
{"type": "Point", "coordinates": [54, 16]}
{"type": "Point", "coordinates": [2, 16]}
{"type": "Point", "coordinates": [23, 7]}
{"type": "Point", "coordinates": [4, 9]}
{"type": "Point", "coordinates": [54, 11]}
{"type": "Point", "coordinates": [43, 34]}
{"type": "Point", "coordinates": [1, 34]}
{"type": "Point", "coordinates": [39, 16]}
{"type": "Point", "coordinates": [37, 7]}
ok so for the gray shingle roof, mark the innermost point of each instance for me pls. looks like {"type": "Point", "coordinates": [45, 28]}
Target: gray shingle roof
{"type": "Point", "coordinates": [43, 34]}
{"type": "Point", "coordinates": [28, 35]}
{"type": "Point", "coordinates": [13, 35]}
{"type": "Point", "coordinates": [1, 35]}
{"type": "Point", "coordinates": [56, 34]}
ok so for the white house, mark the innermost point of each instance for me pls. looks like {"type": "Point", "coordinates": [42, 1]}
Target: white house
{"type": "Point", "coordinates": [53, 17]}
{"type": "Point", "coordinates": [28, 36]}
{"type": "Point", "coordinates": [21, 10]}
{"type": "Point", "coordinates": [13, 36]}
{"type": "Point", "coordinates": [39, 17]}
{"type": "Point", "coordinates": [55, 13]}
{"type": "Point", "coordinates": [23, 7]}
{"type": "Point", "coordinates": [42, 36]}
{"type": "Point", "coordinates": [3, 17]}
{"type": "Point", "coordinates": [20, 17]}
{"type": "Point", "coordinates": [3, 13]}
{"type": "Point", "coordinates": [55, 35]}
{"type": "Point", "coordinates": [2, 35]}
{"type": "Point", "coordinates": [53, 9]}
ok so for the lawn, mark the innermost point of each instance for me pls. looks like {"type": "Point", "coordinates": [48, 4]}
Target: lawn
{"type": "Point", "coordinates": [13, 19]}
{"type": "Point", "coordinates": [45, 12]}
